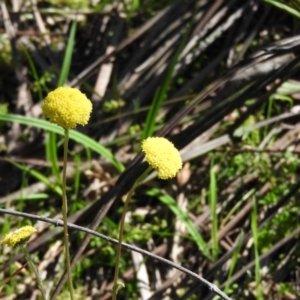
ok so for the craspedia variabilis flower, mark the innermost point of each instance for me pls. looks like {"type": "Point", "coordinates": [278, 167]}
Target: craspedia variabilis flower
{"type": "Point", "coordinates": [67, 107]}
{"type": "Point", "coordinates": [162, 156]}
{"type": "Point", "coordinates": [19, 236]}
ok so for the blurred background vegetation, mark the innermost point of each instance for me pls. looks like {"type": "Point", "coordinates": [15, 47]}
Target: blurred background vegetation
{"type": "Point", "coordinates": [218, 78]}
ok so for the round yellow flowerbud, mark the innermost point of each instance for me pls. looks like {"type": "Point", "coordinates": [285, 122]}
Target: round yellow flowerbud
{"type": "Point", "coordinates": [67, 107]}
{"type": "Point", "coordinates": [162, 156]}
{"type": "Point", "coordinates": [18, 237]}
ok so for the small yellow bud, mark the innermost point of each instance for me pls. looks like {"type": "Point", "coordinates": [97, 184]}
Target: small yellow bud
{"type": "Point", "coordinates": [18, 237]}
{"type": "Point", "coordinates": [67, 107]}
{"type": "Point", "coordinates": [162, 156]}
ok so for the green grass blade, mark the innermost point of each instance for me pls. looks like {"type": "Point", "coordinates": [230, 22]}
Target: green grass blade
{"type": "Point", "coordinates": [33, 72]}
{"type": "Point", "coordinates": [259, 293]}
{"type": "Point", "coordinates": [151, 116]}
{"type": "Point", "coordinates": [161, 93]}
{"type": "Point", "coordinates": [77, 159]}
{"type": "Point", "coordinates": [64, 73]}
{"type": "Point", "coordinates": [233, 262]}
{"type": "Point", "coordinates": [213, 210]}
{"type": "Point", "coordinates": [172, 205]}
{"type": "Point", "coordinates": [74, 135]}
{"type": "Point", "coordinates": [51, 155]}
{"type": "Point", "coordinates": [285, 7]}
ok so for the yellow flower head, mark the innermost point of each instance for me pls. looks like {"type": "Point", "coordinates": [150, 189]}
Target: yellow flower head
{"type": "Point", "coordinates": [18, 237]}
{"type": "Point", "coordinates": [67, 107]}
{"type": "Point", "coordinates": [162, 156]}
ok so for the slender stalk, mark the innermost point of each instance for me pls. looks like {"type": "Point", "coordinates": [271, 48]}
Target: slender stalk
{"type": "Point", "coordinates": [35, 271]}
{"type": "Point", "coordinates": [65, 215]}
{"type": "Point", "coordinates": [119, 248]}
{"type": "Point", "coordinates": [116, 285]}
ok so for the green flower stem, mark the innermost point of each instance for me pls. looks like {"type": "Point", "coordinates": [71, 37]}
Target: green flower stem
{"type": "Point", "coordinates": [35, 271]}
{"type": "Point", "coordinates": [117, 285]}
{"type": "Point", "coordinates": [65, 216]}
